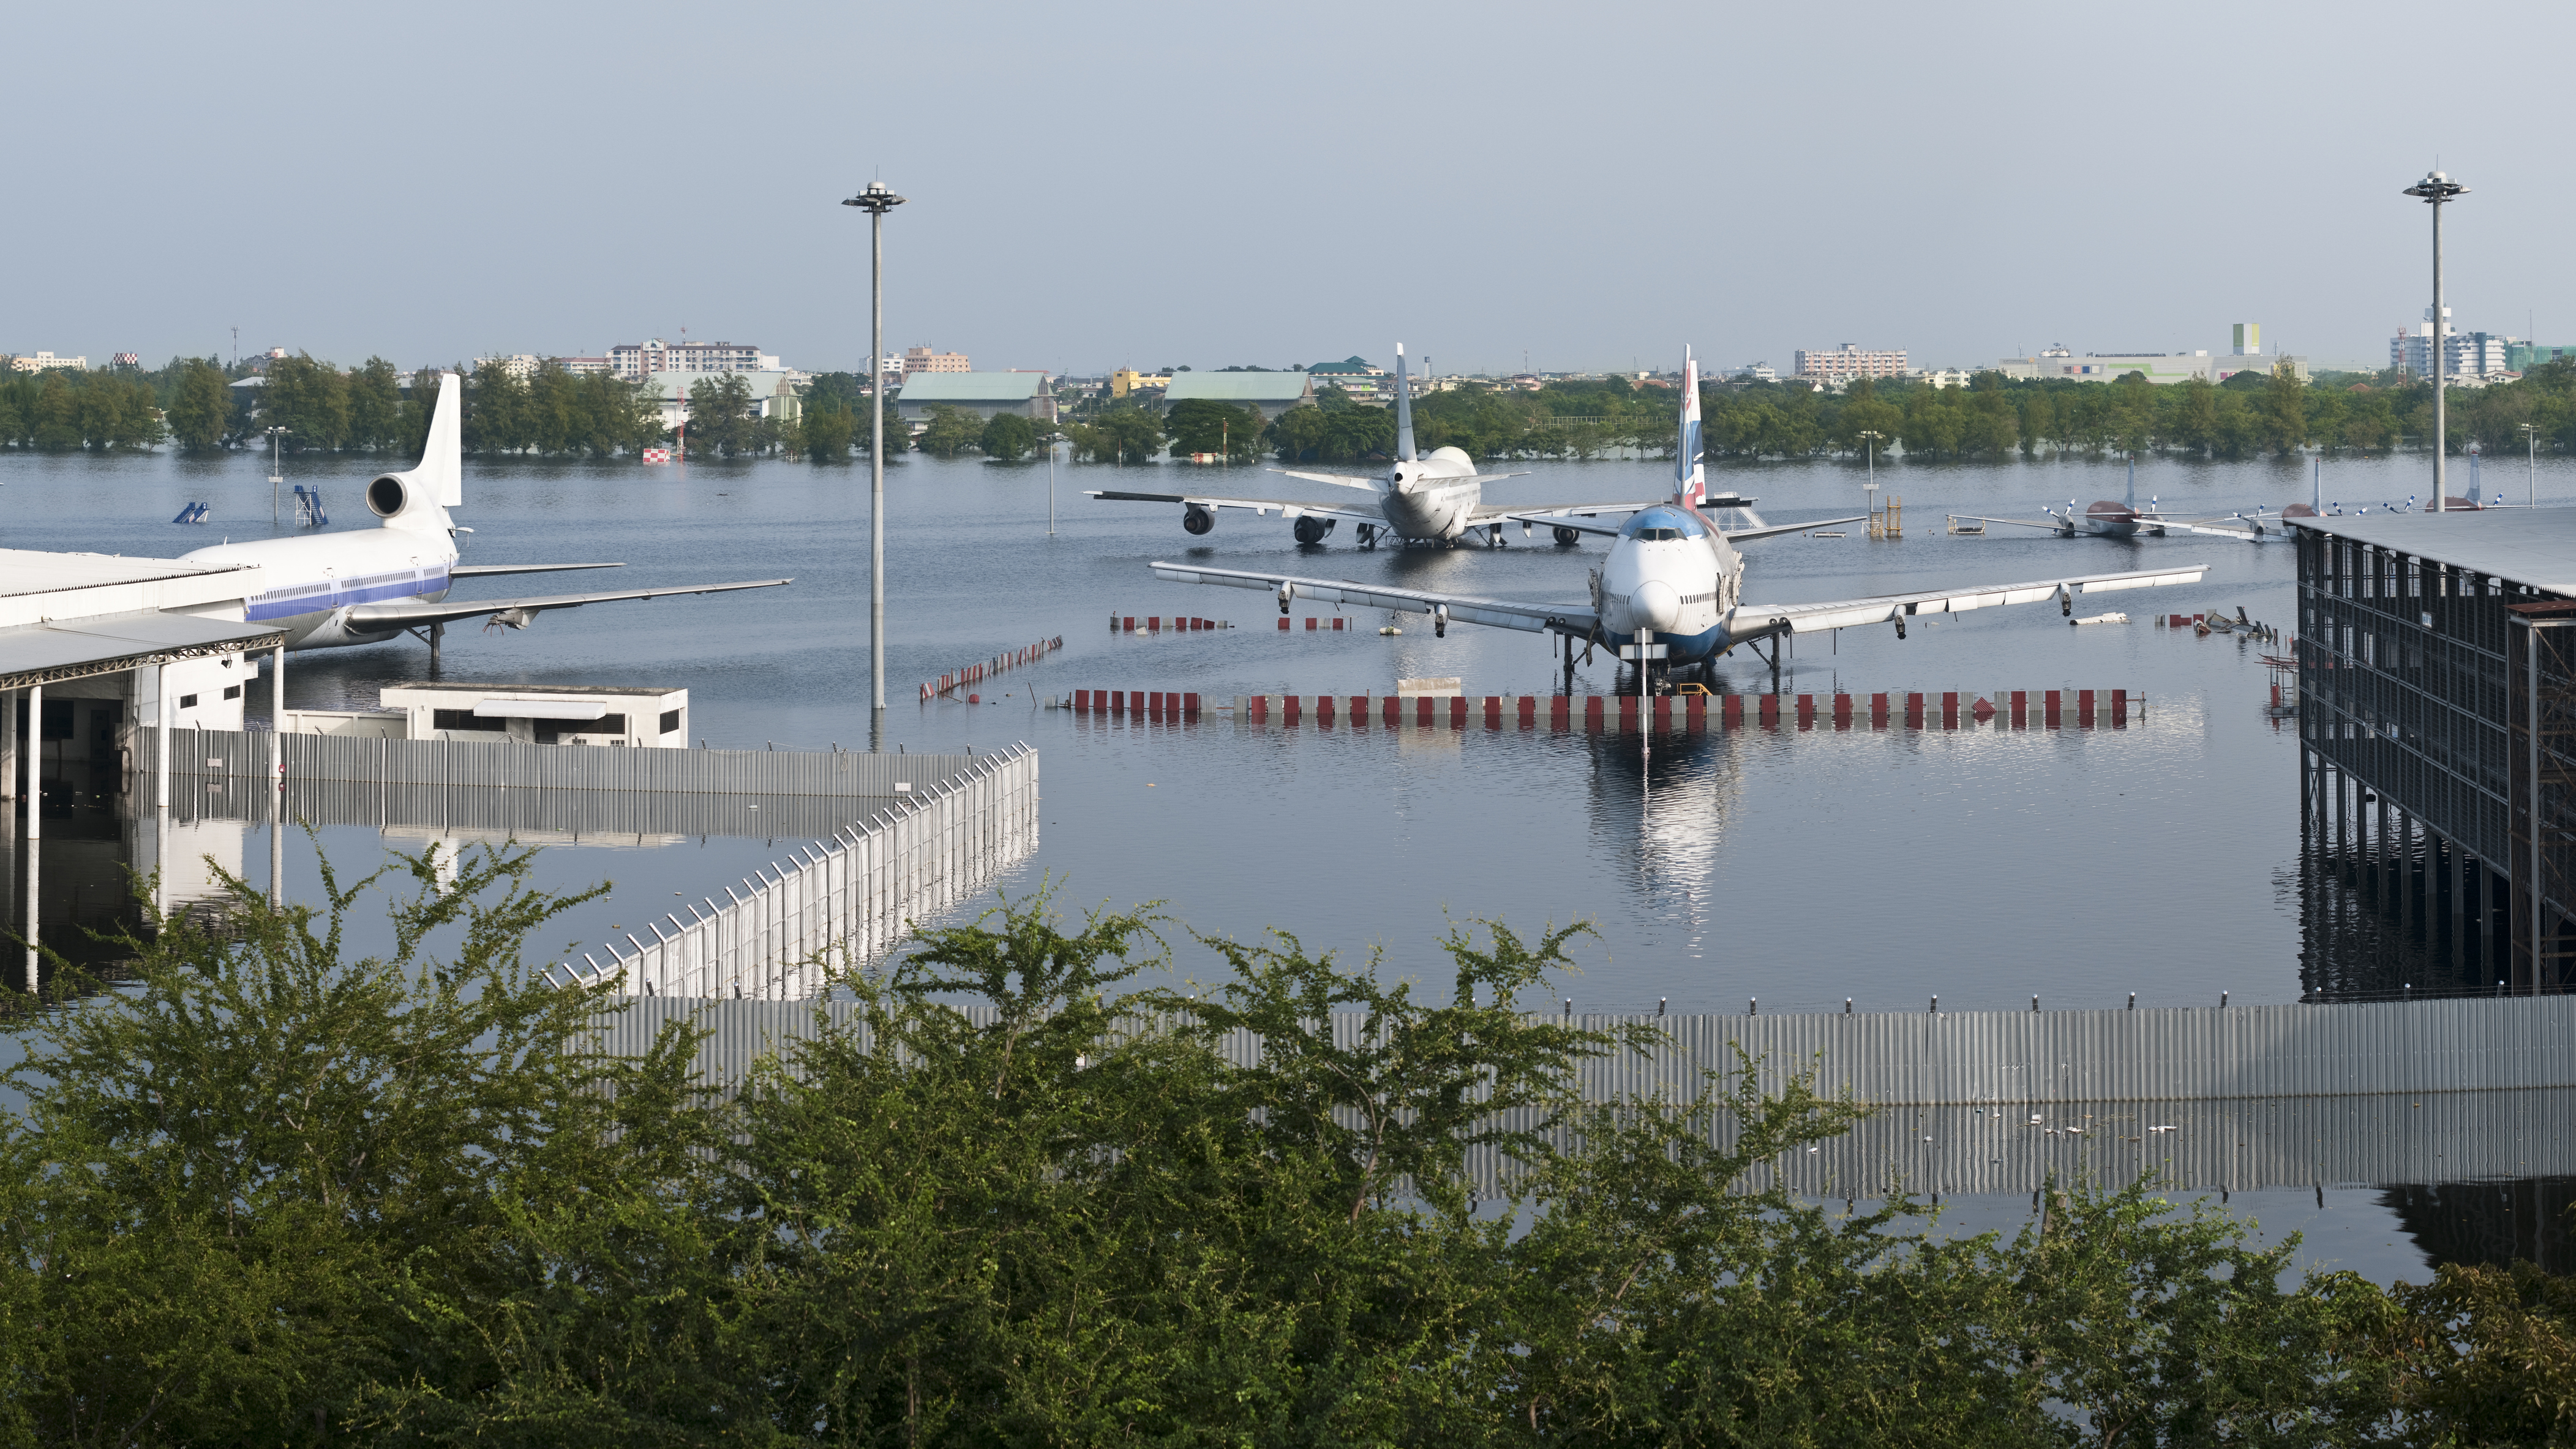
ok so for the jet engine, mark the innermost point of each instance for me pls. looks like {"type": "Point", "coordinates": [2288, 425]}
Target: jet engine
{"type": "Point", "coordinates": [1311, 529]}
{"type": "Point", "coordinates": [1568, 537]}
{"type": "Point", "coordinates": [387, 495]}
{"type": "Point", "coordinates": [1197, 519]}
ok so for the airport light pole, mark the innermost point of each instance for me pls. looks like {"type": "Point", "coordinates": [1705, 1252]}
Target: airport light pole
{"type": "Point", "coordinates": [876, 201]}
{"type": "Point", "coordinates": [1870, 439]}
{"type": "Point", "coordinates": [276, 470]}
{"type": "Point", "coordinates": [2531, 452]}
{"type": "Point", "coordinates": [2435, 189]}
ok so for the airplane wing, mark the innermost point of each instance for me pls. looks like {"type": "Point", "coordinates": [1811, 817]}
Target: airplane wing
{"type": "Point", "coordinates": [1773, 530]}
{"type": "Point", "coordinates": [1338, 480]}
{"type": "Point", "coordinates": [2053, 525]}
{"type": "Point", "coordinates": [1547, 512]}
{"type": "Point", "coordinates": [1752, 621]}
{"type": "Point", "coordinates": [485, 571]}
{"type": "Point", "coordinates": [1284, 507]}
{"type": "Point", "coordinates": [1575, 619]}
{"type": "Point", "coordinates": [517, 613]}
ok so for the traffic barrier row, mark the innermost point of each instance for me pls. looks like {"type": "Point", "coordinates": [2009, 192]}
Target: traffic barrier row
{"type": "Point", "coordinates": [1154, 624]}
{"type": "Point", "coordinates": [974, 673]}
{"type": "Point", "coordinates": [1149, 704]}
{"type": "Point", "coordinates": [1313, 623]}
{"type": "Point", "coordinates": [1620, 714]}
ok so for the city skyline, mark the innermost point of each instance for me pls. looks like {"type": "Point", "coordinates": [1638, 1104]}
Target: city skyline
{"type": "Point", "coordinates": [475, 198]}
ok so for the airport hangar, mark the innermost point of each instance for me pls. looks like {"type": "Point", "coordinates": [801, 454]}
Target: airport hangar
{"type": "Point", "coordinates": [92, 645]}
{"type": "Point", "coordinates": [2437, 728]}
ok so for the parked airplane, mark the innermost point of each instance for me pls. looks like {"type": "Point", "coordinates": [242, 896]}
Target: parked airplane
{"type": "Point", "coordinates": [2103, 518]}
{"type": "Point", "coordinates": [327, 590]}
{"type": "Point", "coordinates": [1433, 499]}
{"type": "Point", "coordinates": [1675, 580]}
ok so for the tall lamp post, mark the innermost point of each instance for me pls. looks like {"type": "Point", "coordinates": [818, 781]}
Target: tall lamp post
{"type": "Point", "coordinates": [1869, 438]}
{"type": "Point", "coordinates": [2435, 189]}
{"type": "Point", "coordinates": [876, 201]}
{"type": "Point", "coordinates": [276, 470]}
{"type": "Point", "coordinates": [2531, 458]}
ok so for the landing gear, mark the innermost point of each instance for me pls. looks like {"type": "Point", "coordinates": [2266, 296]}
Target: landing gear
{"type": "Point", "coordinates": [1494, 536]}
{"type": "Point", "coordinates": [432, 637]}
{"type": "Point", "coordinates": [1772, 658]}
{"type": "Point", "coordinates": [1569, 665]}
{"type": "Point", "coordinates": [1367, 534]}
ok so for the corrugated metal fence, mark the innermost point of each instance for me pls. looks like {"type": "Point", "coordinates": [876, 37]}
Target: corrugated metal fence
{"type": "Point", "coordinates": [844, 900]}
{"type": "Point", "coordinates": [2243, 1097]}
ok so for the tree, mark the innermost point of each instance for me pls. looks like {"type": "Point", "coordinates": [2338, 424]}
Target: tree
{"type": "Point", "coordinates": [952, 430]}
{"type": "Point", "coordinates": [828, 434]}
{"type": "Point", "coordinates": [720, 414]}
{"type": "Point", "coordinates": [1007, 438]}
{"type": "Point", "coordinates": [375, 406]}
{"type": "Point", "coordinates": [1121, 435]}
{"type": "Point", "coordinates": [2285, 411]}
{"type": "Point", "coordinates": [1203, 425]}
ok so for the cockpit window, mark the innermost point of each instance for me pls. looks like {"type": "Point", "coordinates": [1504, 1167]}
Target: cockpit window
{"type": "Point", "coordinates": [1663, 525]}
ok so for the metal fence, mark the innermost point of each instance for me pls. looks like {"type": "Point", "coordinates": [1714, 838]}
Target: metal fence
{"type": "Point", "coordinates": [236, 755]}
{"type": "Point", "coordinates": [2231, 1099]}
{"type": "Point", "coordinates": [842, 901]}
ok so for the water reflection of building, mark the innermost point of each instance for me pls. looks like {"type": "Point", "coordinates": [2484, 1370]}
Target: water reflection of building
{"type": "Point", "coordinates": [2491, 1223]}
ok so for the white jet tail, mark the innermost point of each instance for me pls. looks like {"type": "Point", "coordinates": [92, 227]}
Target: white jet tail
{"type": "Point", "coordinates": [1403, 411]}
{"type": "Point", "coordinates": [421, 497]}
{"type": "Point", "coordinates": [1690, 475]}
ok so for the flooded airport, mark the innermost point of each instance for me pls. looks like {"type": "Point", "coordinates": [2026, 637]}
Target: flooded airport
{"type": "Point", "coordinates": [1782, 865]}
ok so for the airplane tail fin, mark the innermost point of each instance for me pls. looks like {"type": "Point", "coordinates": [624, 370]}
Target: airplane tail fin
{"type": "Point", "coordinates": [1403, 410]}
{"type": "Point", "coordinates": [1690, 475]}
{"type": "Point", "coordinates": [420, 498]}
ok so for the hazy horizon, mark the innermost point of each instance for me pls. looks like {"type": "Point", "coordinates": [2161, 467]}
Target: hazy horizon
{"type": "Point", "coordinates": [1268, 188]}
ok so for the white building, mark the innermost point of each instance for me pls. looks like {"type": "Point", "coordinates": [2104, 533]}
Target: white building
{"type": "Point", "coordinates": [43, 361]}
{"type": "Point", "coordinates": [1849, 362]}
{"type": "Point", "coordinates": [521, 365]}
{"type": "Point", "coordinates": [1757, 372]}
{"type": "Point", "coordinates": [1945, 377]}
{"type": "Point", "coordinates": [774, 393]}
{"type": "Point", "coordinates": [561, 714]}
{"type": "Point", "coordinates": [636, 361]}
{"type": "Point", "coordinates": [2470, 355]}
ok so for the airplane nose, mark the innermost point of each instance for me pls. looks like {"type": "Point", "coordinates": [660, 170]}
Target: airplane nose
{"type": "Point", "coordinates": [1657, 606]}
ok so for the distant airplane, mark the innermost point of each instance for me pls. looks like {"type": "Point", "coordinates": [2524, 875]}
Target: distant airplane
{"type": "Point", "coordinates": [330, 590]}
{"type": "Point", "coordinates": [1674, 581]}
{"type": "Point", "coordinates": [1429, 500]}
{"type": "Point", "coordinates": [2103, 518]}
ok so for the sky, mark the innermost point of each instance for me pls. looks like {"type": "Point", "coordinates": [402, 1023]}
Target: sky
{"type": "Point", "coordinates": [1211, 184]}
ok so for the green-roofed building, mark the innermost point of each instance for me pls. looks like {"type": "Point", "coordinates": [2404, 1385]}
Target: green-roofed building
{"type": "Point", "coordinates": [981, 393]}
{"type": "Point", "coordinates": [1267, 393]}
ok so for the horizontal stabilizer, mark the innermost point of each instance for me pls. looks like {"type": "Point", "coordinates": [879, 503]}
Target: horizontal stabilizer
{"type": "Point", "coordinates": [412, 613]}
{"type": "Point", "coordinates": [1774, 530]}
{"type": "Point", "coordinates": [1466, 608]}
{"type": "Point", "coordinates": [487, 571]}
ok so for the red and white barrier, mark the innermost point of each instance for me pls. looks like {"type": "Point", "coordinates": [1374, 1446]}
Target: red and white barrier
{"type": "Point", "coordinates": [977, 673]}
{"type": "Point", "coordinates": [2017, 709]}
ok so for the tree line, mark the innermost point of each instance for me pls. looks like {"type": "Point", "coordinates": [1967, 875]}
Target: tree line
{"type": "Point", "coordinates": [265, 1193]}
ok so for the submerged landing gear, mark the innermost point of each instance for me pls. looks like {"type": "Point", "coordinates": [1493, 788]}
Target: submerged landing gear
{"type": "Point", "coordinates": [1367, 534]}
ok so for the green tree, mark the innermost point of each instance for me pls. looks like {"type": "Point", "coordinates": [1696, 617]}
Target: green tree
{"type": "Point", "coordinates": [307, 398]}
{"type": "Point", "coordinates": [1203, 425]}
{"type": "Point", "coordinates": [828, 433]}
{"type": "Point", "coordinates": [1007, 438]}
{"type": "Point", "coordinates": [2285, 411]}
{"type": "Point", "coordinates": [720, 414]}
{"type": "Point", "coordinates": [375, 406]}
{"type": "Point", "coordinates": [952, 430]}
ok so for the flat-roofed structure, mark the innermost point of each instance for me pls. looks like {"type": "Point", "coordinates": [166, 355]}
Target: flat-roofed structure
{"type": "Point", "coordinates": [982, 393]}
{"type": "Point", "coordinates": [642, 717]}
{"type": "Point", "coordinates": [1267, 393]}
{"type": "Point", "coordinates": [2437, 724]}
{"type": "Point", "coordinates": [92, 645]}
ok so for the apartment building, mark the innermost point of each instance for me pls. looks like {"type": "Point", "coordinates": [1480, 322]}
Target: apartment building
{"type": "Point", "coordinates": [636, 361]}
{"type": "Point", "coordinates": [1847, 363]}
{"type": "Point", "coordinates": [922, 359]}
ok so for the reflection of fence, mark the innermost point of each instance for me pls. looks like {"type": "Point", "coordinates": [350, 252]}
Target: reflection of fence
{"type": "Point", "coordinates": [229, 755]}
{"type": "Point", "coordinates": [845, 900]}
{"type": "Point", "coordinates": [2435, 1091]}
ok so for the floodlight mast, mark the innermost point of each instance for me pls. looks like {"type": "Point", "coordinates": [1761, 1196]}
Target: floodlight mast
{"type": "Point", "coordinates": [876, 201]}
{"type": "Point", "coordinates": [2435, 189]}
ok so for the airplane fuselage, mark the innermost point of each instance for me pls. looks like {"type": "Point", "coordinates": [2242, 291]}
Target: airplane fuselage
{"type": "Point", "coordinates": [1432, 499]}
{"type": "Point", "coordinates": [311, 581]}
{"type": "Point", "coordinates": [1672, 571]}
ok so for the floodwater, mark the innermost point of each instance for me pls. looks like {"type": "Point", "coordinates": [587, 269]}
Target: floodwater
{"type": "Point", "coordinates": [1798, 868]}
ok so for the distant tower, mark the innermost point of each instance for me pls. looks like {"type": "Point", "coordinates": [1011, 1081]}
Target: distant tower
{"type": "Point", "coordinates": [2249, 339]}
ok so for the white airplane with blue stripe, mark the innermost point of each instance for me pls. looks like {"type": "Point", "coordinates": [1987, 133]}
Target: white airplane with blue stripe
{"type": "Point", "coordinates": [366, 586]}
{"type": "Point", "coordinates": [1673, 578]}
{"type": "Point", "coordinates": [1424, 498]}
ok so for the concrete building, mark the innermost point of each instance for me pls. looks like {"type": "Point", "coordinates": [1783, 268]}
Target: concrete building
{"type": "Point", "coordinates": [2470, 356]}
{"type": "Point", "coordinates": [45, 361]}
{"type": "Point", "coordinates": [1945, 377]}
{"type": "Point", "coordinates": [922, 359]}
{"type": "Point", "coordinates": [773, 393]}
{"type": "Point", "coordinates": [1128, 382]}
{"type": "Point", "coordinates": [1266, 393]}
{"type": "Point", "coordinates": [982, 393]}
{"type": "Point", "coordinates": [521, 365]}
{"type": "Point", "coordinates": [1847, 363]}
{"type": "Point", "coordinates": [558, 714]}
{"type": "Point", "coordinates": [636, 361]}
{"type": "Point", "coordinates": [1756, 372]}
{"type": "Point", "coordinates": [583, 366]}
{"type": "Point", "coordinates": [1363, 380]}
{"type": "Point", "coordinates": [2522, 356]}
